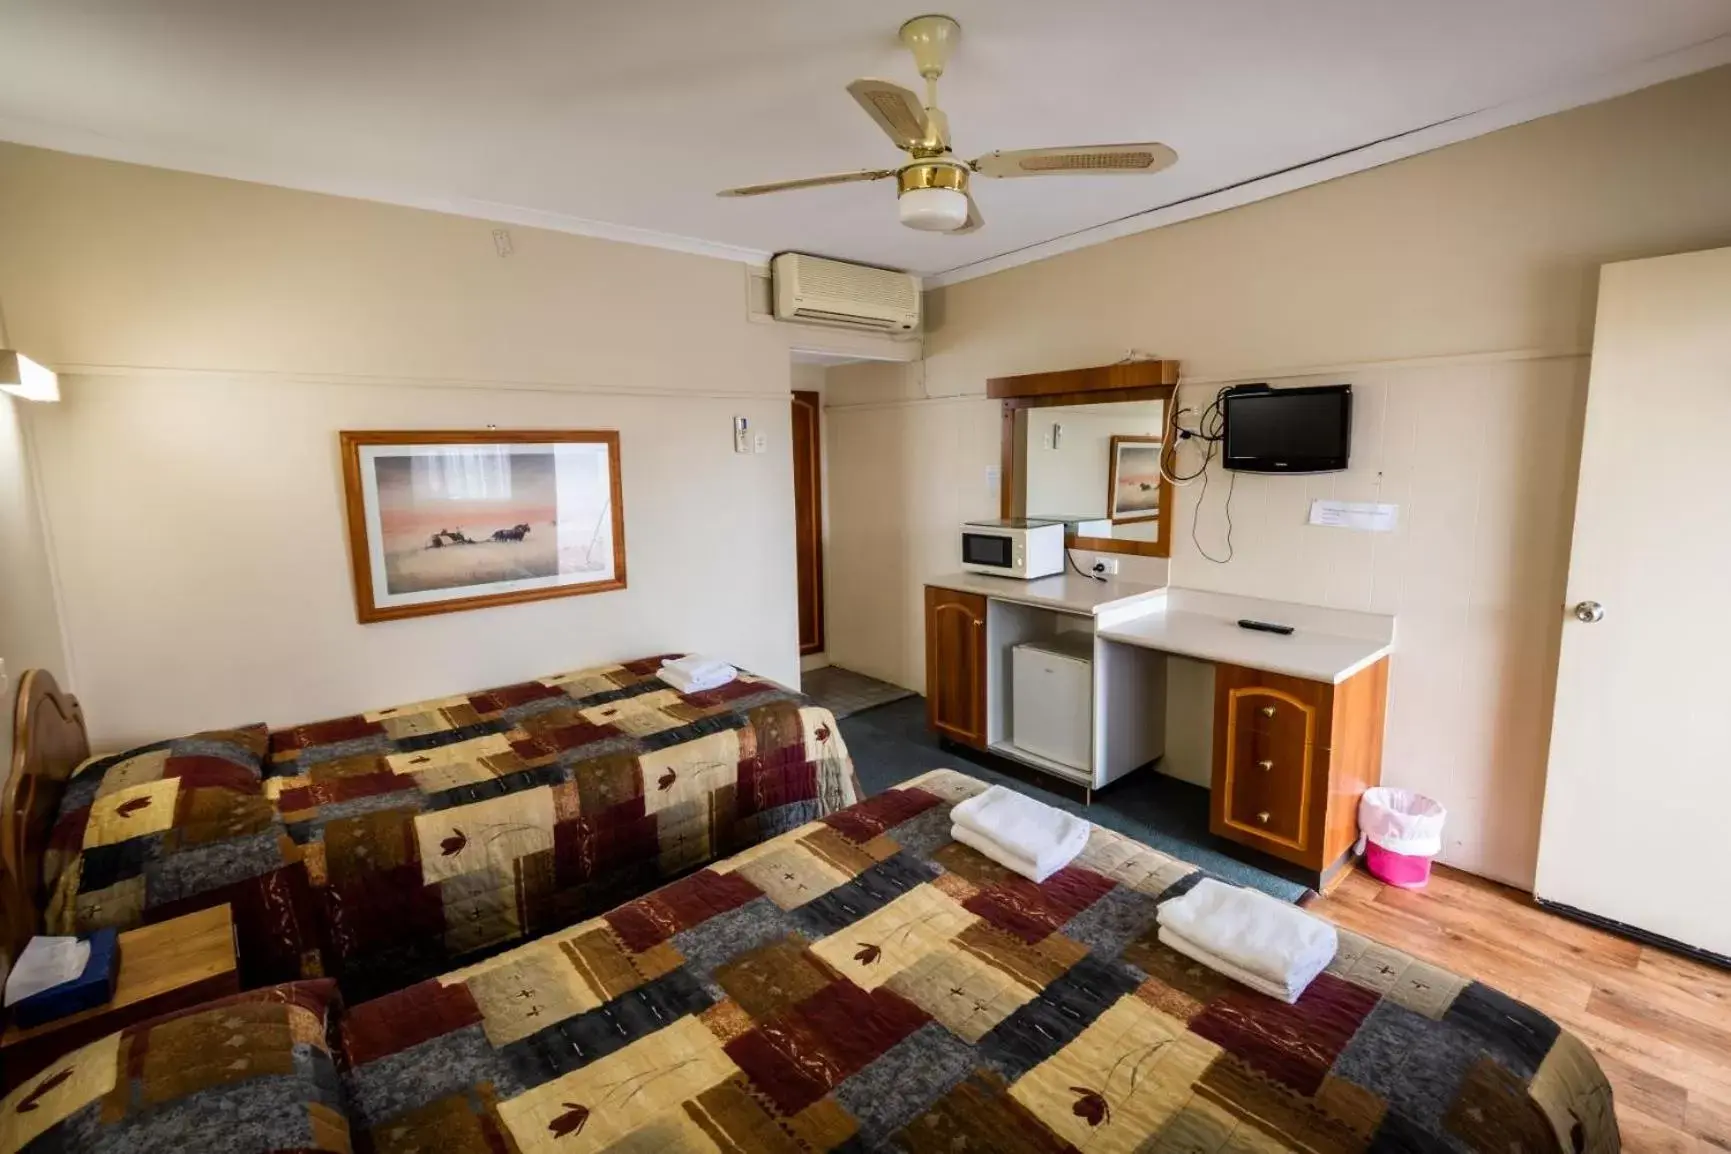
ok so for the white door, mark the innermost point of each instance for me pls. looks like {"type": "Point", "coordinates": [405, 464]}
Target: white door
{"type": "Point", "coordinates": [1637, 818]}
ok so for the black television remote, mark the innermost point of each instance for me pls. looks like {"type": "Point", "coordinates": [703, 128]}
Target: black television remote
{"type": "Point", "coordinates": [1264, 626]}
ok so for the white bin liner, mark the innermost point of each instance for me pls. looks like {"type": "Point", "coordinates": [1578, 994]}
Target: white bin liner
{"type": "Point", "coordinates": [1401, 821]}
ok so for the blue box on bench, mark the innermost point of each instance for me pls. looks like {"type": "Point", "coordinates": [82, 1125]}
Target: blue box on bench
{"type": "Point", "coordinates": [92, 988]}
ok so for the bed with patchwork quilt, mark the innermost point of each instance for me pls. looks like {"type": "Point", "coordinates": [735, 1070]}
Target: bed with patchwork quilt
{"type": "Point", "coordinates": [175, 826]}
{"type": "Point", "coordinates": [252, 1073]}
{"type": "Point", "coordinates": [432, 833]}
{"type": "Point", "coordinates": [862, 982]}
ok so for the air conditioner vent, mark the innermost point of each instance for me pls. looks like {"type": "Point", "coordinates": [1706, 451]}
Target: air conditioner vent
{"type": "Point", "coordinates": [835, 292]}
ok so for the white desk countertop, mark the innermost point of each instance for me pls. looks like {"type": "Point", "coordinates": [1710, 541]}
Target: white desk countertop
{"type": "Point", "coordinates": [1066, 592]}
{"type": "Point", "coordinates": [1326, 644]}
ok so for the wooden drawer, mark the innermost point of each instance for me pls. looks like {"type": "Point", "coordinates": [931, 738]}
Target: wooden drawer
{"type": "Point", "coordinates": [1266, 784]}
{"type": "Point", "coordinates": [1266, 787]}
{"type": "Point", "coordinates": [1301, 752]}
{"type": "Point", "coordinates": [1271, 741]}
{"type": "Point", "coordinates": [1290, 712]}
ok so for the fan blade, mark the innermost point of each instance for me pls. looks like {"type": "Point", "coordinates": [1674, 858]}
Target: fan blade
{"type": "Point", "coordinates": [897, 111]}
{"type": "Point", "coordinates": [809, 182]}
{"type": "Point", "coordinates": [1084, 160]}
{"type": "Point", "coordinates": [974, 221]}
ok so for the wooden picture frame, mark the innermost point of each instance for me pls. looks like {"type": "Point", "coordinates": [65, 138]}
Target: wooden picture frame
{"type": "Point", "coordinates": [1113, 496]}
{"type": "Point", "coordinates": [448, 520]}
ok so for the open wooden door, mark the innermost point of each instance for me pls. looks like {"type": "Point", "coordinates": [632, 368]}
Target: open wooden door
{"type": "Point", "coordinates": [808, 518]}
{"type": "Point", "coordinates": [1638, 790]}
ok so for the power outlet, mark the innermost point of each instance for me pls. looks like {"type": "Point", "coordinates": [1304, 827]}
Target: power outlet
{"type": "Point", "coordinates": [1106, 566]}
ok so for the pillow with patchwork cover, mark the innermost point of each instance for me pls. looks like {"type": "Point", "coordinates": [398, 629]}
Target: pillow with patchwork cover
{"type": "Point", "coordinates": [176, 826]}
{"type": "Point", "coordinates": [248, 1073]}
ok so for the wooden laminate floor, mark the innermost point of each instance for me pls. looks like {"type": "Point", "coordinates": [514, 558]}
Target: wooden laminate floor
{"type": "Point", "coordinates": [1659, 1023]}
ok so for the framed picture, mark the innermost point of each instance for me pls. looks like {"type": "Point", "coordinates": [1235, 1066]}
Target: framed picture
{"type": "Point", "coordinates": [442, 521]}
{"type": "Point", "coordinates": [1133, 484]}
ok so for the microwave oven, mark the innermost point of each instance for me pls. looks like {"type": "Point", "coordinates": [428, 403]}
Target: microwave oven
{"type": "Point", "coordinates": [1014, 547]}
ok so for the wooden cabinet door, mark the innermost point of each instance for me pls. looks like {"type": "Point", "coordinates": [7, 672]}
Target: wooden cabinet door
{"type": "Point", "coordinates": [808, 519]}
{"type": "Point", "coordinates": [1271, 751]}
{"type": "Point", "coordinates": [956, 665]}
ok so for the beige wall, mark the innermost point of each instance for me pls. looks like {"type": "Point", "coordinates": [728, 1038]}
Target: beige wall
{"type": "Point", "coordinates": [29, 619]}
{"type": "Point", "coordinates": [219, 334]}
{"type": "Point", "coordinates": [1455, 291]}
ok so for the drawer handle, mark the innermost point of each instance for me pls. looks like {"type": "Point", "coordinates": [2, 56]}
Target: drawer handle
{"type": "Point", "coordinates": [1265, 766]}
{"type": "Point", "coordinates": [1263, 817]}
{"type": "Point", "coordinates": [1267, 711]}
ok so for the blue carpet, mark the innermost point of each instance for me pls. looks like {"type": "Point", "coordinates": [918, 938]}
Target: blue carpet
{"type": "Point", "coordinates": [890, 744]}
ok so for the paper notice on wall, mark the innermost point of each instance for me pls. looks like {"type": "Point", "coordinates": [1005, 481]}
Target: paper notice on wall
{"type": "Point", "coordinates": [1362, 515]}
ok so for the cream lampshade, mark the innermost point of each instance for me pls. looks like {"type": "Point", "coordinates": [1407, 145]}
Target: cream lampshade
{"type": "Point", "coordinates": [933, 209]}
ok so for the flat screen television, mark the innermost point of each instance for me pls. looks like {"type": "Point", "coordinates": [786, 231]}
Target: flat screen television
{"type": "Point", "coordinates": [1287, 430]}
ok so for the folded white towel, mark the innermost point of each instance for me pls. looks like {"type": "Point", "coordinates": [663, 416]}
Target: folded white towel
{"type": "Point", "coordinates": [1001, 855]}
{"type": "Point", "coordinates": [712, 675]}
{"type": "Point", "coordinates": [698, 668]}
{"type": "Point", "coordinates": [1286, 993]}
{"type": "Point", "coordinates": [1255, 933]}
{"type": "Point", "coordinates": [1028, 831]}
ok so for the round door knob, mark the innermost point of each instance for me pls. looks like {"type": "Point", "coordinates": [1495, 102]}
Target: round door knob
{"type": "Point", "coordinates": [1263, 817]}
{"type": "Point", "coordinates": [1589, 612]}
{"type": "Point", "coordinates": [1268, 711]}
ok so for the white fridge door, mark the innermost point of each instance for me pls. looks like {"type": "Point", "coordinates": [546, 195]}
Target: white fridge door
{"type": "Point", "coordinates": [1052, 705]}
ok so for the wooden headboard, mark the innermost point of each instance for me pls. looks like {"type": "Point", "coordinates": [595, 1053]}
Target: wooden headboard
{"type": "Point", "coordinates": [48, 743]}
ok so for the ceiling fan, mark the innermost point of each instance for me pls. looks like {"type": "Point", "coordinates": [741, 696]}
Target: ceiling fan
{"type": "Point", "coordinates": [932, 186]}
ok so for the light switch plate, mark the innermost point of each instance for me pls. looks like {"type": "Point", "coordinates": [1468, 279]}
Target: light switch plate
{"type": "Point", "coordinates": [5, 681]}
{"type": "Point", "coordinates": [760, 443]}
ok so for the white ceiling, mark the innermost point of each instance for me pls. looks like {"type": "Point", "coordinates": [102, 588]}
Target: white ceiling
{"type": "Point", "coordinates": [633, 113]}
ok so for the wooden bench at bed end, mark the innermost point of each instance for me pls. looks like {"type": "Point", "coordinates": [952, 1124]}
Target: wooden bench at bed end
{"type": "Point", "coordinates": [48, 742]}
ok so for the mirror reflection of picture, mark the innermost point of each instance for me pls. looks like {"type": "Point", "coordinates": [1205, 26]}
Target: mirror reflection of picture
{"type": "Point", "coordinates": [1133, 489]}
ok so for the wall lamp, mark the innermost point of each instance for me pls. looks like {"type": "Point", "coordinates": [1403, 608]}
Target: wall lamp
{"type": "Point", "coordinates": [23, 377]}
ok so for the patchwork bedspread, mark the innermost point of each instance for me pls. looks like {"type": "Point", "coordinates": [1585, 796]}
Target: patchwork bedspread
{"type": "Point", "coordinates": [435, 831]}
{"type": "Point", "coordinates": [862, 982]}
{"type": "Point", "coordinates": [248, 1074]}
{"type": "Point", "coordinates": [176, 826]}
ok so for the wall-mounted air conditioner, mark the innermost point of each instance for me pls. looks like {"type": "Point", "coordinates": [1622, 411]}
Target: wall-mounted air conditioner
{"type": "Point", "coordinates": [812, 289]}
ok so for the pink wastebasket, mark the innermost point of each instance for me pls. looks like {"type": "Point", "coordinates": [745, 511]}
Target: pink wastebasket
{"type": "Point", "coordinates": [1406, 870]}
{"type": "Point", "coordinates": [1401, 831]}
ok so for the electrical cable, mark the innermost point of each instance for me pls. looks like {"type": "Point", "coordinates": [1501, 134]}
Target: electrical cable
{"type": "Point", "coordinates": [1211, 430]}
{"type": "Point", "coordinates": [1171, 441]}
{"type": "Point", "coordinates": [1231, 488]}
{"type": "Point", "coordinates": [1071, 558]}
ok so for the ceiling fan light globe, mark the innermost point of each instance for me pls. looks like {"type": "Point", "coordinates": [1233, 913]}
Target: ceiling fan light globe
{"type": "Point", "coordinates": [933, 209]}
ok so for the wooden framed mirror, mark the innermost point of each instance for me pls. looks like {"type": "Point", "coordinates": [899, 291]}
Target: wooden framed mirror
{"type": "Point", "coordinates": [1083, 446]}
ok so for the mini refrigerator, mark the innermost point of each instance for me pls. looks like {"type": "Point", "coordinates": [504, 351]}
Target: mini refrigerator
{"type": "Point", "coordinates": [1052, 699]}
